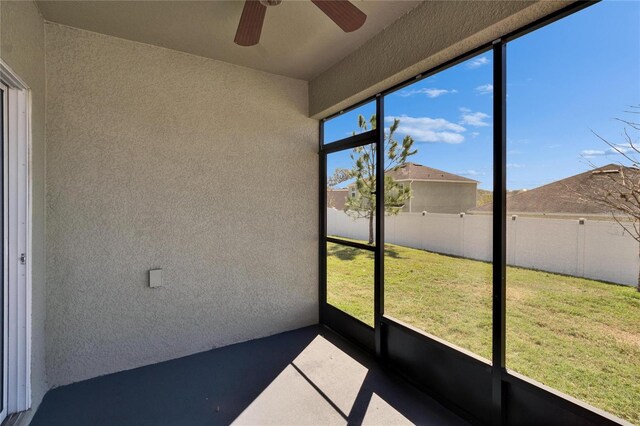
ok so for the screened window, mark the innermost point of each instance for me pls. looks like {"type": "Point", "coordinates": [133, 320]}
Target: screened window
{"type": "Point", "coordinates": [565, 140]}
{"type": "Point", "coordinates": [572, 307]}
{"type": "Point", "coordinates": [348, 124]}
{"type": "Point", "coordinates": [438, 219]}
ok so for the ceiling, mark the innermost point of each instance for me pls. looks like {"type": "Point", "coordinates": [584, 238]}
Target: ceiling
{"type": "Point", "coordinates": [298, 40]}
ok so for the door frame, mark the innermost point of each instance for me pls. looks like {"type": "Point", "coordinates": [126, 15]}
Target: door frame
{"type": "Point", "coordinates": [340, 321]}
{"type": "Point", "coordinates": [3, 411]}
{"type": "Point", "coordinates": [17, 225]}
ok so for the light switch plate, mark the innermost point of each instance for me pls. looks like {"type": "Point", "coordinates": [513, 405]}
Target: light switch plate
{"type": "Point", "coordinates": [155, 278]}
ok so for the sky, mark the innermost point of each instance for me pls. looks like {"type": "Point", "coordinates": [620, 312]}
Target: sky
{"type": "Point", "coordinates": [565, 81]}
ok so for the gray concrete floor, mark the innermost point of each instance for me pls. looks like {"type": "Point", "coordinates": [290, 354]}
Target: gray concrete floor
{"type": "Point", "coordinates": [309, 376]}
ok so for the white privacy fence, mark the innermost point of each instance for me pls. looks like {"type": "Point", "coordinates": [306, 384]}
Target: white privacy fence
{"type": "Point", "coordinates": [594, 249]}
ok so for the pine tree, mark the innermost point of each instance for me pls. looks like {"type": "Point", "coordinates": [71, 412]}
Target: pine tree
{"type": "Point", "coordinates": [362, 203]}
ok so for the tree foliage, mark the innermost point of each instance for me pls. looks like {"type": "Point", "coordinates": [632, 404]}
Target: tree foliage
{"type": "Point", "coordinates": [362, 203]}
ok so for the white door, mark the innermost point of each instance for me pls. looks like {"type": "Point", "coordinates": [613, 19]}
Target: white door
{"type": "Point", "coordinates": [4, 292]}
{"type": "Point", "coordinates": [15, 188]}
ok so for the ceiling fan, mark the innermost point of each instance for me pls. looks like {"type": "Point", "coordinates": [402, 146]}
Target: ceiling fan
{"type": "Point", "coordinates": [342, 12]}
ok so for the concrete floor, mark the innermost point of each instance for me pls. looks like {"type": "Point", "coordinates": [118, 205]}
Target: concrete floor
{"type": "Point", "coordinates": [309, 376]}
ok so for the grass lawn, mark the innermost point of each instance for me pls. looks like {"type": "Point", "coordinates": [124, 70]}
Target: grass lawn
{"type": "Point", "coordinates": [576, 335]}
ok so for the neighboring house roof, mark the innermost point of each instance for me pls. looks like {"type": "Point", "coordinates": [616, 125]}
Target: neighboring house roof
{"type": "Point", "coordinates": [576, 194]}
{"type": "Point", "coordinates": [418, 172]}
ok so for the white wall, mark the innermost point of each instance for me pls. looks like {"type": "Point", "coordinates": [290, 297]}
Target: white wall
{"type": "Point", "coordinates": [601, 250]}
{"type": "Point", "coordinates": [160, 159]}
{"type": "Point", "coordinates": [22, 48]}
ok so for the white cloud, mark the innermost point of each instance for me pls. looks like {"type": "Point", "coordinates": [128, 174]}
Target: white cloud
{"type": "Point", "coordinates": [485, 89]}
{"type": "Point", "coordinates": [622, 148]}
{"type": "Point", "coordinates": [615, 150]}
{"type": "Point", "coordinates": [426, 129]}
{"type": "Point", "coordinates": [478, 62]}
{"type": "Point", "coordinates": [514, 166]}
{"type": "Point", "coordinates": [473, 118]}
{"type": "Point", "coordinates": [592, 153]}
{"type": "Point", "coordinates": [475, 134]}
{"type": "Point", "coordinates": [429, 92]}
{"type": "Point", "coordinates": [470, 172]}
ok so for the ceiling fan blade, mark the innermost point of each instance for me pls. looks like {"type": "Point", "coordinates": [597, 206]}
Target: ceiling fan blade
{"type": "Point", "coordinates": [342, 12]}
{"type": "Point", "coordinates": [250, 25]}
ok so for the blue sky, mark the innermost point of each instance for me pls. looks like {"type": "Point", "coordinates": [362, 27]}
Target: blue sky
{"type": "Point", "coordinates": [564, 80]}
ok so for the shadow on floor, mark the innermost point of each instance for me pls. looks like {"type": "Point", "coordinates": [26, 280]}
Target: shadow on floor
{"type": "Point", "coordinates": [305, 376]}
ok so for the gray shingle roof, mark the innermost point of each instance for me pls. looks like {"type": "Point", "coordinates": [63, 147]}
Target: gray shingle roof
{"type": "Point", "coordinates": [413, 171]}
{"type": "Point", "coordinates": [576, 194]}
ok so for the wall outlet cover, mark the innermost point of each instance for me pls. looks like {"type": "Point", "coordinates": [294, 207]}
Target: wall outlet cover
{"type": "Point", "coordinates": [155, 278]}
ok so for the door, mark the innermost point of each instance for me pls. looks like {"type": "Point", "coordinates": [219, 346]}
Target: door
{"type": "Point", "coordinates": [15, 306]}
{"type": "Point", "coordinates": [349, 252]}
{"type": "Point", "coordinates": [3, 293]}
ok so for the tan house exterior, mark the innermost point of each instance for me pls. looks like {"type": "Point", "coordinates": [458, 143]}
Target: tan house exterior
{"type": "Point", "coordinates": [337, 197]}
{"type": "Point", "coordinates": [435, 191]}
{"type": "Point", "coordinates": [432, 190]}
{"type": "Point", "coordinates": [441, 197]}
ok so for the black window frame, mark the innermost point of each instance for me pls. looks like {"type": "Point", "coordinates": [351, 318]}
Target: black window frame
{"type": "Point", "coordinates": [481, 392]}
{"type": "Point", "coordinates": [352, 328]}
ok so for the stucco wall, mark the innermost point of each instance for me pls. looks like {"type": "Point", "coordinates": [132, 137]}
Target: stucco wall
{"type": "Point", "coordinates": [159, 159]}
{"type": "Point", "coordinates": [22, 48]}
{"type": "Point", "coordinates": [429, 35]}
{"type": "Point", "coordinates": [441, 197]}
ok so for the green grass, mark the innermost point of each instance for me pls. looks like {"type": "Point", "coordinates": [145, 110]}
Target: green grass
{"type": "Point", "coordinates": [579, 336]}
